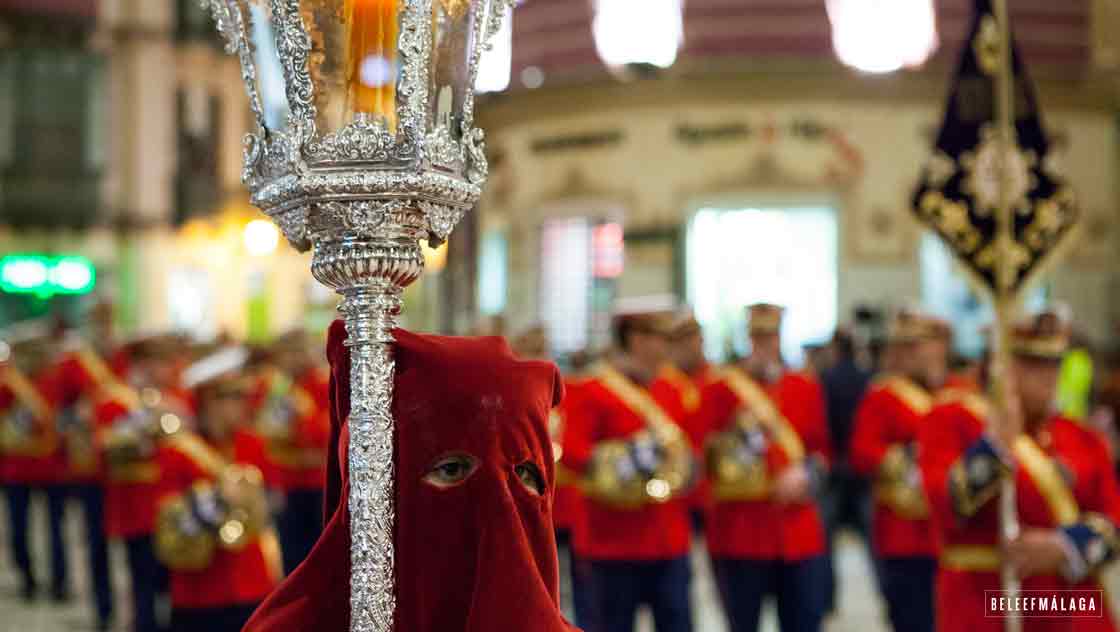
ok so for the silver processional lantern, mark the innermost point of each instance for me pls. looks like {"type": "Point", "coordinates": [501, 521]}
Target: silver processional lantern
{"type": "Point", "coordinates": [379, 151]}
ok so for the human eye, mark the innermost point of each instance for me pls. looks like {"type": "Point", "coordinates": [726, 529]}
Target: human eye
{"type": "Point", "coordinates": [451, 471]}
{"type": "Point", "coordinates": [530, 476]}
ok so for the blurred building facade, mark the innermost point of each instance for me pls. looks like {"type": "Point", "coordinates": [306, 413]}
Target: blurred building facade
{"type": "Point", "coordinates": [121, 135]}
{"type": "Point", "coordinates": [758, 132]}
{"type": "Point", "coordinates": [756, 167]}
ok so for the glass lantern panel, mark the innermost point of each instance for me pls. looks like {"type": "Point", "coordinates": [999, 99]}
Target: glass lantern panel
{"type": "Point", "coordinates": [270, 72]}
{"type": "Point", "coordinates": [496, 64]}
{"type": "Point", "coordinates": [453, 40]}
{"type": "Point", "coordinates": [354, 62]}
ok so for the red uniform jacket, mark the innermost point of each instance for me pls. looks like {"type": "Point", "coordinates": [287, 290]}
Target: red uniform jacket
{"type": "Point", "coordinates": [655, 531]}
{"type": "Point", "coordinates": [692, 389]}
{"type": "Point", "coordinates": [233, 577]}
{"type": "Point", "coordinates": [298, 460]}
{"type": "Point", "coordinates": [80, 379]}
{"type": "Point", "coordinates": [761, 529]}
{"type": "Point", "coordinates": [889, 419]}
{"type": "Point", "coordinates": [29, 448]}
{"type": "Point", "coordinates": [969, 563]}
{"type": "Point", "coordinates": [131, 490]}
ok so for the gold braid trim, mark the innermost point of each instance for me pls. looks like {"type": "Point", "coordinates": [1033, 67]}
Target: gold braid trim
{"type": "Point", "coordinates": [637, 399]}
{"type": "Point", "coordinates": [194, 448]}
{"type": "Point", "coordinates": [106, 381]}
{"type": "Point", "coordinates": [26, 393]}
{"type": "Point", "coordinates": [1046, 475]}
{"type": "Point", "coordinates": [690, 394]}
{"type": "Point", "coordinates": [972, 558]}
{"type": "Point", "coordinates": [750, 393]}
{"type": "Point", "coordinates": [273, 559]}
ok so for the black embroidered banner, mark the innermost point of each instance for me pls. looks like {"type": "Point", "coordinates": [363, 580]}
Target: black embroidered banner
{"type": "Point", "coordinates": [959, 195]}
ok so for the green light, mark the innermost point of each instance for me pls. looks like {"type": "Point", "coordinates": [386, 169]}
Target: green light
{"type": "Point", "coordinates": [45, 275]}
{"type": "Point", "coordinates": [23, 274]}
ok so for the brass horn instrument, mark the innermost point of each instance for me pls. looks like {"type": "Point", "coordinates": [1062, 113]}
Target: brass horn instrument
{"type": "Point", "coordinates": [652, 466]}
{"type": "Point", "coordinates": [736, 460]}
{"type": "Point", "coordinates": [899, 484]}
{"type": "Point", "coordinates": [224, 515]}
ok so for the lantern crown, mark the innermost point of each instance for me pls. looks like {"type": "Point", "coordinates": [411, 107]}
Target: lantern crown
{"type": "Point", "coordinates": [380, 112]}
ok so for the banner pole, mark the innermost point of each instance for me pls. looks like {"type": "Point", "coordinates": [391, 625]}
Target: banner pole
{"type": "Point", "coordinates": [1005, 295]}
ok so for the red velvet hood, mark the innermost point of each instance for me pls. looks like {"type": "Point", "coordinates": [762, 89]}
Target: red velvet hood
{"type": "Point", "coordinates": [479, 557]}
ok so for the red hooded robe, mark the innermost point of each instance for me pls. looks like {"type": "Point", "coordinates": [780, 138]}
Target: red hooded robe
{"type": "Point", "coordinates": [477, 557]}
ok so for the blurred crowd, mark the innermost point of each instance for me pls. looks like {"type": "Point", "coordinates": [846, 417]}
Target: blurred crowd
{"type": "Point", "coordinates": [207, 462]}
{"type": "Point", "coordinates": [878, 433]}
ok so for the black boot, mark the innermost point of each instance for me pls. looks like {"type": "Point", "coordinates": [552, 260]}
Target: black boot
{"type": "Point", "coordinates": [28, 590]}
{"type": "Point", "coordinates": [60, 593]}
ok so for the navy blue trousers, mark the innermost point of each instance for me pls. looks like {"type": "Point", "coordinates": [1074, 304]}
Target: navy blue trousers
{"type": "Point", "coordinates": [800, 588]}
{"type": "Point", "coordinates": [225, 619]}
{"type": "Point", "coordinates": [92, 500]}
{"type": "Point", "coordinates": [623, 586]}
{"type": "Point", "coordinates": [299, 525]}
{"type": "Point", "coordinates": [908, 590]}
{"type": "Point", "coordinates": [584, 601]}
{"type": "Point", "coordinates": [149, 580]}
{"type": "Point", "coordinates": [19, 505]}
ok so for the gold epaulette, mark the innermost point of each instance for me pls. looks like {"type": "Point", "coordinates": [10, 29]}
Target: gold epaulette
{"type": "Point", "coordinates": [908, 392]}
{"type": "Point", "coordinates": [972, 401]}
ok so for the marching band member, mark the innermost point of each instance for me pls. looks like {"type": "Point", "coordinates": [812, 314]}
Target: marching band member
{"type": "Point", "coordinates": [884, 448]}
{"type": "Point", "coordinates": [1067, 495]}
{"type": "Point", "coordinates": [625, 441]}
{"type": "Point", "coordinates": [473, 544]}
{"type": "Point", "coordinates": [79, 376]}
{"type": "Point", "coordinates": [293, 416]}
{"type": "Point", "coordinates": [688, 370]}
{"type": "Point", "coordinates": [213, 531]}
{"type": "Point", "coordinates": [691, 374]}
{"type": "Point", "coordinates": [567, 504]}
{"type": "Point", "coordinates": [766, 455]}
{"type": "Point", "coordinates": [568, 513]}
{"type": "Point", "coordinates": [29, 452]}
{"type": "Point", "coordinates": [131, 424]}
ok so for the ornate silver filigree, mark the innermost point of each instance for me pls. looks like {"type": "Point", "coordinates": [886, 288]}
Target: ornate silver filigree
{"type": "Point", "coordinates": [414, 45]}
{"type": "Point", "coordinates": [280, 156]}
{"type": "Point", "coordinates": [293, 45]}
{"type": "Point", "coordinates": [441, 221]}
{"type": "Point", "coordinates": [370, 314]}
{"type": "Point", "coordinates": [252, 147]}
{"type": "Point", "coordinates": [362, 196]}
{"type": "Point", "coordinates": [474, 144]}
{"type": "Point", "coordinates": [293, 223]}
{"type": "Point", "coordinates": [365, 139]}
{"type": "Point", "coordinates": [233, 21]}
{"type": "Point", "coordinates": [359, 219]}
{"type": "Point", "coordinates": [443, 151]}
